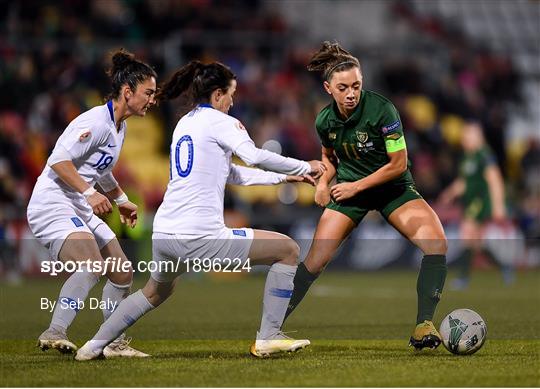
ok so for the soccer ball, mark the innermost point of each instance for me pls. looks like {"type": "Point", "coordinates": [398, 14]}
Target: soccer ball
{"type": "Point", "coordinates": [463, 332]}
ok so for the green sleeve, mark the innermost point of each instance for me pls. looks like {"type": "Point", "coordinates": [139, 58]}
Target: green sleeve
{"type": "Point", "coordinates": [487, 158]}
{"type": "Point", "coordinates": [392, 129]}
{"type": "Point", "coordinates": [322, 130]}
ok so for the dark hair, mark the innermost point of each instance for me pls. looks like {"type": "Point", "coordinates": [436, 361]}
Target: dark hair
{"type": "Point", "coordinates": [196, 81]}
{"type": "Point", "coordinates": [127, 70]}
{"type": "Point", "coordinates": [331, 58]}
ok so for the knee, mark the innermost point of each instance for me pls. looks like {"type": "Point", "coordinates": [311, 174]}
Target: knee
{"type": "Point", "coordinates": [156, 299]}
{"type": "Point", "coordinates": [442, 245]}
{"type": "Point", "coordinates": [291, 252]}
{"type": "Point", "coordinates": [156, 295]}
{"type": "Point", "coordinates": [122, 278]}
{"type": "Point", "coordinates": [438, 245]}
{"type": "Point", "coordinates": [127, 276]}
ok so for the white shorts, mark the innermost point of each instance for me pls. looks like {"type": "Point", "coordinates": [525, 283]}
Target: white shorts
{"type": "Point", "coordinates": [229, 243]}
{"type": "Point", "coordinates": [52, 226]}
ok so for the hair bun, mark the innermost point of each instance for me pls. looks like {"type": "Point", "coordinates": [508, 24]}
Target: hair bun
{"type": "Point", "coordinates": [121, 59]}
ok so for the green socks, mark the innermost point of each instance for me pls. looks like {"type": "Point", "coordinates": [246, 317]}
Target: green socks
{"type": "Point", "coordinates": [464, 263]}
{"type": "Point", "coordinates": [430, 285]}
{"type": "Point", "coordinates": [302, 281]}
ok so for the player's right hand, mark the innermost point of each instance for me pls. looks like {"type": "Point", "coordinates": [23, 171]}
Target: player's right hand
{"type": "Point", "coordinates": [99, 203]}
{"type": "Point", "coordinates": [322, 195]}
{"type": "Point", "coordinates": [317, 168]}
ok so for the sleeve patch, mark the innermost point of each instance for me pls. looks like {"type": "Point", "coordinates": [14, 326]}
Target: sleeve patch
{"type": "Point", "coordinates": [391, 127]}
{"type": "Point", "coordinates": [240, 126]}
{"type": "Point", "coordinates": [85, 136]}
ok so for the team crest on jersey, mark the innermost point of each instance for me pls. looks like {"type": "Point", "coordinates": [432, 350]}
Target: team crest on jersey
{"type": "Point", "coordinates": [363, 145]}
{"type": "Point", "coordinates": [469, 168]}
{"type": "Point", "coordinates": [362, 136]}
{"type": "Point", "coordinates": [85, 136]}
{"type": "Point", "coordinates": [332, 136]}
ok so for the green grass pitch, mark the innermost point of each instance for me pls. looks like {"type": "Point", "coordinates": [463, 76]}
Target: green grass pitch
{"type": "Point", "coordinates": [359, 325]}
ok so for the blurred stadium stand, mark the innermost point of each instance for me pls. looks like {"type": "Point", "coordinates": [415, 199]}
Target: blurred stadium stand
{"type": "Point", "coordinates": [439, 61]}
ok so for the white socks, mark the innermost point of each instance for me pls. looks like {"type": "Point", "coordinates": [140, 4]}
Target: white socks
{"type": "Point", "coordinates": [277, 294]}
{"type": "Point", "coordinates": [73, 292]}
{"type": "Point", "coordinates": [126, 314]}
{"type": "Point", "coordinates": [113, 294]}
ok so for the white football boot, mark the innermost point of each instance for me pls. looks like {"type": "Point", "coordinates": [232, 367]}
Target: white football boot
{"type": "Point", "coordinates": [278, 343]}
{"type": "Point", "coordinates": [120, 348]}
{"type": "Point", "coordinates": [58, 340]}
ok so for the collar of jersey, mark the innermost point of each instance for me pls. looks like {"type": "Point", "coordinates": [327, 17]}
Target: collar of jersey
{"type": "Point", "coordinates": [353, 119]}
{"type": "Point", "coordinates": [111, 112]}
{"type": "Point", "coordinates": [205, 105]}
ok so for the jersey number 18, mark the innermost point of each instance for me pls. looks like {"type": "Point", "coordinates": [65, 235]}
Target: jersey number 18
{"type": "Point", "coordinates": [104, 161]}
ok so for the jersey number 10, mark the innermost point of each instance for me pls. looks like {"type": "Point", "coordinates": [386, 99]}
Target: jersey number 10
{"type": "Point", "coordinates": [183, 172]}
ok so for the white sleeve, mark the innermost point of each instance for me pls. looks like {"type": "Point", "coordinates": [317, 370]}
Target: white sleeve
{"type": "Point", "coordinates": [80, 139]}
{"type": "Point", "coordinates": [268, 160]}
{"type": "Point", "coordinates": [107, 182]}
{"type": "Point", "coordinates": [241, 175]}
{"type": "Point", "coordinates": [59, 154]}
{"type": "Point", "coordinates": [230, 133]}
{"type": "Point", "coordinates": [232, 136]}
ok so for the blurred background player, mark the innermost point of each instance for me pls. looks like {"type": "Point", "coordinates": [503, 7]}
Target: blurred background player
{"type": "Point", "coordinates": [64, 208]}
{"type": "Point", "coordinates": [189, 223]}
{"type": "Point", "coordinates": [480, 187]}
{"type": "Point", "coordinates": [363, 142]}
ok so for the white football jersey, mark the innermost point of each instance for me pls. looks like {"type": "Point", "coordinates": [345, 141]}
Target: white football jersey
{"type": "Point", "coordinates": [200, 161]}
{"type": "Point", "coordinates": [94, 144]}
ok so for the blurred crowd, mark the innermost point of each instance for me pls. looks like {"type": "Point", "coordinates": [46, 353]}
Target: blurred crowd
{"type": "Point", "coordinates": [53, 56]}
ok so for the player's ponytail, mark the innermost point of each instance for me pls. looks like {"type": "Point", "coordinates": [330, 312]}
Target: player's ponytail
{"type": "Point", "coordinates": [180, 82]}
{"type": "Point", "coordinates": [126, 70]}
{"type": "Point", "coordinates": [196, 82]}
{"type": "Point", "coordinates": [330, 58]}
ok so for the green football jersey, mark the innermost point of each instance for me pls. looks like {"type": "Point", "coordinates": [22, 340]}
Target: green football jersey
{"type": "Point", "coordinates": [476, 198]}
{"type": "Point", "coordinates": [362, 141]}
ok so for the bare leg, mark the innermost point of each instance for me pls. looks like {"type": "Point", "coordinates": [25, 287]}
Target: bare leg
{"type": "Point", "coordinates": [333, 228]}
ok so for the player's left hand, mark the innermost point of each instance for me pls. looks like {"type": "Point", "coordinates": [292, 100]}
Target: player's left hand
{"type": "Point", "coordinates": [307, 179]}
{"type": "Point", "coordinates": [128, 214]}
{"type": "Point", "coordinates": [344, 191]}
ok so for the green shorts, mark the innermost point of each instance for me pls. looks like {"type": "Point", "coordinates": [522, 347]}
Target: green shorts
{"type": "Point", "coordinates": [385, 200]}
{"type": "Point", "coordinates": [478, 209]}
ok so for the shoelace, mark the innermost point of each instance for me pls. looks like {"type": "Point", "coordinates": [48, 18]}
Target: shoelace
{"type": "Point", "coordinates": [122, 343]}
{"type": "Point", "coordinates": [281, 333]}
{"type": "Point", "coordinates": [58, 334]}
